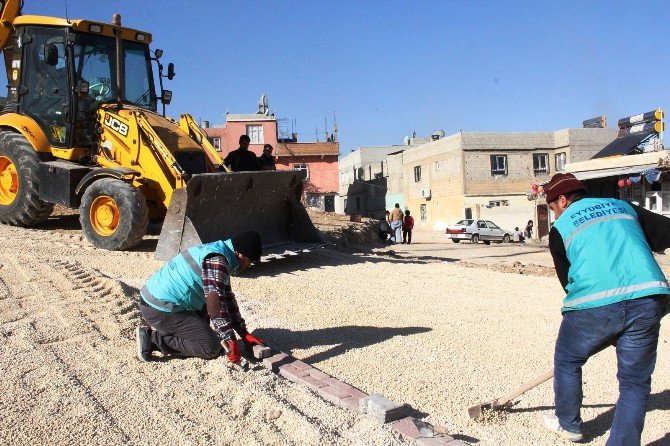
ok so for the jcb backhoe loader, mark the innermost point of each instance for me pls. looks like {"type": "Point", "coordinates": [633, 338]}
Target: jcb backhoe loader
{"type": "Point", "coordinates": [80, 129]}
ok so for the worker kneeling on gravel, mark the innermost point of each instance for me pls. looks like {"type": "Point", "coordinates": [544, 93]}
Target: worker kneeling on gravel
{"type": "Point", "coordinates": [616, 294]}
{"type": "Point", "coordinates": [190, 306]}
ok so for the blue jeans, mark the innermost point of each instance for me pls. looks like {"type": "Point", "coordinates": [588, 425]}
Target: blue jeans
{"type": "Point", "coordinates": [634, 326]}
{"type": "Point", "coordinates": [396, 231]}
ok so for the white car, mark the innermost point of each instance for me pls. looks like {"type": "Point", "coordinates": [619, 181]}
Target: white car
{"type": "Point", "coordinates": [476, 230]}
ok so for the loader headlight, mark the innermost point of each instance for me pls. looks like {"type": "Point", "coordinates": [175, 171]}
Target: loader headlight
{"type": "Point", "coordinates": [95, 28]}
{"type": "Point", "coordinates": [140, 37]}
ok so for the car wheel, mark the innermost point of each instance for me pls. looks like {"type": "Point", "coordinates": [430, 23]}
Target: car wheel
{"type": "Point", "coordinates": [475, 238]}
{"type": "Point", "coordinates": [505, 238]}
{"type": "Point", "coordinates": [487, 242]}
{"type": "Point", "coordinates": [455, 240]}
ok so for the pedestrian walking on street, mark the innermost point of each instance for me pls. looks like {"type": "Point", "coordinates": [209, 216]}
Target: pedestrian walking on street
{"type": "Point", "coordinates": [396, 219]}
{"type": "Point", "coordinates": [615, 294]}
{"type": "Point", "coordinates": [407, 227]}
{"type": "Point", "coordinates": [189, 305]}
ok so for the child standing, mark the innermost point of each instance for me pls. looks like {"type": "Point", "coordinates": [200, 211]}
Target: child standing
{"type": "Point", "coordinates": [407, 226]}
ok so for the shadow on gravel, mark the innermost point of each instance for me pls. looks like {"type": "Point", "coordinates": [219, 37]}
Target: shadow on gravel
{"type": "Point", "coordinates": [70, 221]}
{"type": "Point", "coordinates": [599, 426]}
{"type": "Point", "coordinates": [342, 339]}
{"type": "Point", "coordinates": [602, 423]}
{"type": "Point", "coordinates": [321, 258]}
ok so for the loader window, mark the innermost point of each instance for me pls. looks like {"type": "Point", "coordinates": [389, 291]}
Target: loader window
{"type": "Point", "coordinates": [48, 98]}
{"type": "Point", "coordinates": [95, 63]}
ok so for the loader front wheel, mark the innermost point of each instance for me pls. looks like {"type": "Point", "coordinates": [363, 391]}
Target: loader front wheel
{"type": "Point", "coordinates": [20, 204]}
{"type": "Point", "coordinates": [113, 214]}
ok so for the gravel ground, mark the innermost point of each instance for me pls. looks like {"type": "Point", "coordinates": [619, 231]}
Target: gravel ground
{"type": "Point", "coordinates": [414, 325]}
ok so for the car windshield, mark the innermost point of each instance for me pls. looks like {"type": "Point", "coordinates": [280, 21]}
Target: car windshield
{"type": "Point", "coordinates": [95, 63]}
{"type": "Point", "coordinates": [465, 222]}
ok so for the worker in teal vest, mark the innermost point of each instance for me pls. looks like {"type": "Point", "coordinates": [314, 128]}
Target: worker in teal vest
{"type": "Point", "coordinates": [615, 294]}
{"type": "Point", "coordinates": [189, 305]}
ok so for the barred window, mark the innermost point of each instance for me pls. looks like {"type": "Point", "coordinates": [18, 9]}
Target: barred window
{"type": "Point", "coordinates": [559, 158]}
{"type": "Point", "coordinates": [541, 163]}
{"type": "Point", "coordinates": [498, 164]}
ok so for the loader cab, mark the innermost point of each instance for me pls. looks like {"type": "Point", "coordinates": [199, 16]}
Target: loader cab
{"type": "Point", "coordinates": [63, 76]}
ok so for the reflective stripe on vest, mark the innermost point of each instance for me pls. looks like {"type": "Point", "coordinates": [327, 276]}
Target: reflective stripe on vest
{"type": "Point", "coordinates": [177, 285]}
{"type": "Point", "coordinates": [190, 261]}
{"type": "Point", "coordinates": [615, 292]}
{"type": "Point", "coordinates": [609, 256]}
{"type": "Point", "coordinates": [158, 304]}
{"type": "Point", "coordinates": [593, 222]}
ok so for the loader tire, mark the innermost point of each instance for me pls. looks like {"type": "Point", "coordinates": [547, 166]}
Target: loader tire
{"type": "Point", "coordinates": [20, 204]}
{"type": "Point", "coordinates": [113, 214]}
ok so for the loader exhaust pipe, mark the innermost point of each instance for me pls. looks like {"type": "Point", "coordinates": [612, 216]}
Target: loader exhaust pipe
{"type": "Point", "coordinates": [120, 62]}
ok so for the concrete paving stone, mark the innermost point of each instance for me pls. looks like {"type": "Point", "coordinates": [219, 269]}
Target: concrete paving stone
{"type": "Point", "coordinates": [301, 365]}
{"type": "Point", "coordinates": [318, 374]}
{"type": "Point", "coordinates": [332, 394]}
{"type": "Point", "coordinates": [435, 441]}
{"type": "Point", "coordinates": [457, 443]}
{"type": "Point", "coordinates": [312, 382]}
{"type": "Point", "coordinates": [381, 408]}
{"type": "Point", "coordinates": [350, 403]}
{"type": "Point", "coordinates": [261, 351]}
{"type": "Point", "coordinates": [291, 373]}
{"type": "Point", "coordinates": [353, 391]}
{"type": "Point", "coordinates": [274, 362]}
{"type": "Point", "coordinates": [407, 428]}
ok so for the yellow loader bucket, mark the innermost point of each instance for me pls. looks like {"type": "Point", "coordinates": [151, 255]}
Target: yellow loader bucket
{"type": "Point", "coordinates": [217, 206]}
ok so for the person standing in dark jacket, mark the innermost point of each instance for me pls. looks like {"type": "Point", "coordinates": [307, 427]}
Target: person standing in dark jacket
{"type": "Point", "coordinates": [242, 159]}
{"type": "Point", "coordinates": [266, 160]}
{"type": "Point", "coordinates": [615, 294]}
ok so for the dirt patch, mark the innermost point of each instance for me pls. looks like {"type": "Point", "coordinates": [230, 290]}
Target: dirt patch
{"type": "Point", "coordinates": [527, 269]}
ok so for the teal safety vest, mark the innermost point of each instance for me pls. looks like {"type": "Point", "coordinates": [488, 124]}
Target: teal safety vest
{"type": "Point", "coordinates": [177, 286]}
{"type": "Point", "coordinates": [610, 259]}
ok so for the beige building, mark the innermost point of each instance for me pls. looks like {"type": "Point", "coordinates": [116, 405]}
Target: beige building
{"type": "Point", "coordinates": [488, 175]}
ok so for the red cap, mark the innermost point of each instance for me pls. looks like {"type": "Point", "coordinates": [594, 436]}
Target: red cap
{"type": "Point", "coordinates": [562, 184]}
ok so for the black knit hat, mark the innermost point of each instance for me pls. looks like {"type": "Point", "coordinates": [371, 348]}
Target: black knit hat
{"type": "Point", "coordinates": [248, 244]}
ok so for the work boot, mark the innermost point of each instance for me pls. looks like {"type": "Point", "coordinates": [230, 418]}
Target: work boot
{"type": "Point", "coordinates": [144, 344]}
{"type": "Point", "coordinates": [550, 421]}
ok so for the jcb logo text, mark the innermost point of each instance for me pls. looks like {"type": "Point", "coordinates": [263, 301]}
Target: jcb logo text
{"type": "Point", "coordinates": [116, 125]}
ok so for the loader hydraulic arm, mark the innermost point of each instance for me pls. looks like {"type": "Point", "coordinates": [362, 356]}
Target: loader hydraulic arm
{"type": "Point", "coordinates": [188, 125]}
{"type": "Point", "coordinates": [9, 10]}
{"type": "Point", "coordinates": [161, 152]}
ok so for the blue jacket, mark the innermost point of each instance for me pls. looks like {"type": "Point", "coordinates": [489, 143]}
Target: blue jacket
{"type": "Point", "coordinates": [610, 259]}
{"type": "Point", "coordinates": [177, 286]}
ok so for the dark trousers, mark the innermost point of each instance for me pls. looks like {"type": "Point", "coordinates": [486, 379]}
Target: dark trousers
{"type": "Point", "coordinates": [186, 333]}
{"type": "Point", "coordinates": [407, 236]}
{"type": "Point", "coordinates": [634, 325]}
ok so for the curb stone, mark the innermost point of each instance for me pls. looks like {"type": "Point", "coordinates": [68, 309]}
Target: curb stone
{"type": "Point", "coordinates": [348, 397]}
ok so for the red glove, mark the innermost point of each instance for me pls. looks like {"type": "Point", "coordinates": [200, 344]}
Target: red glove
{"type": "Point", "coordinates": [233, 355]}
{"type": "Point", "coordinates": [251, 340]}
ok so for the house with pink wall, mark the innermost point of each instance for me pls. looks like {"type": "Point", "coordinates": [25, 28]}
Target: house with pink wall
{"type": "Point", "coordinates": [262, 129]}
{"type": "Point", "coordinates": [317, 161]}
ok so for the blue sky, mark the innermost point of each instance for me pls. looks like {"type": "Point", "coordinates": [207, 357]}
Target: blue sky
{"type": "Point", "coordinates": [386, 69]}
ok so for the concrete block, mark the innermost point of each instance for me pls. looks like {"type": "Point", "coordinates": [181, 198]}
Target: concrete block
{"type": "Point", "coordinates": [318, 374]}
{"type": "Point", "coordinates": [261, 351]}
{"type": "Point", "coordinates": [301, 365]}
{"type": "Point", "coordinates": [349, 403]}
{"type": "Point", "coordinates": [381, 408]}
{"type": "Point", "coordinates": [456, 443]}
{"type": "Point", "coordinates": [275, 361]}
{"type": "Point", "coordinates": [434, 441]}
{"type": "Point", "coordinates": [415, 429]}
{"type": "Point", "coordinates": [332, 394]}
{"type": "Point", "coordinates": [291, 373]}
{"type": "Point", "coordinates": [311, 382]}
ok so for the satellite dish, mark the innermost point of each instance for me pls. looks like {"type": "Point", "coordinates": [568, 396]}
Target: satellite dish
{"type": "Point", "coordinates": [406, 140]}
{"type": "Point", "coordinates": [439, 133]}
